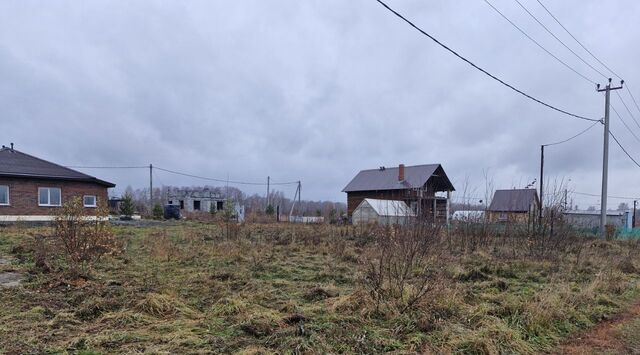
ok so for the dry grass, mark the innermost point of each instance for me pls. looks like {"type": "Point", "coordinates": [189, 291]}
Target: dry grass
{"type": "Point", "coordinates": [195, 288]}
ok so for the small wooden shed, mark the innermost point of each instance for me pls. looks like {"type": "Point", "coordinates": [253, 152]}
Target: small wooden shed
{"type": "Point", "coordinates": [384, 212]}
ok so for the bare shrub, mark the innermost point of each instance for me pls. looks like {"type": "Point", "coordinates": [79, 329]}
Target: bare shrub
{"type": "Point", "coordinates": [83, 239]}
{"type": "Point", "coordinates": [399, 266]}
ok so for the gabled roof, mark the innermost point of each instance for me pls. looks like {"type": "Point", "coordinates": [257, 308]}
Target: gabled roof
{"type": "Point", "coordinates": [516, 200]}
{"type": "Point", "coordinates": [14, 163]}
{"type": "Point", "coordinates": [387, 179]}
{"type": "Point", "coordinates": [388, 208]}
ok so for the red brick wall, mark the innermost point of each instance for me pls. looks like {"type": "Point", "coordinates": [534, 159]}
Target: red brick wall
{"type": "Point", "coordinates": [23, 195]}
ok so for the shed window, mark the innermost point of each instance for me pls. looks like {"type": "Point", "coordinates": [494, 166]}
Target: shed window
{"type": "Point", "coordinates": [49, 196]}
{"type": "Point", "coordinates": [89, 201]}
{"type": "Point", "coordinates": [4, 195]}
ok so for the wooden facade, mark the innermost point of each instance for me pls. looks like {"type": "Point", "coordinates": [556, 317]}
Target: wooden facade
{"type": "Point", "coordinates": [420, 198]}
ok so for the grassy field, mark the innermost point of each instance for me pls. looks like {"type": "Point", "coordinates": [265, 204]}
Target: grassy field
{"type": "Point", "coordinates": [264, 288]}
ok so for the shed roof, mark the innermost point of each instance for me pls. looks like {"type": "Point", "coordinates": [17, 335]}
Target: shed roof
{"type": "Point", "coordinates": [516, 200]}
{"type": "Point", "coordinates": [388, 208]}
{"type": "Point", "coordinates": [387, 179]}
{"type": "Point", "coordinates": [14, 163]}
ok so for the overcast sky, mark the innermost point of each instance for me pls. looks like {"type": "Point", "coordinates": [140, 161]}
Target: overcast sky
{"type": "Point", "coordinates": [314, 90]}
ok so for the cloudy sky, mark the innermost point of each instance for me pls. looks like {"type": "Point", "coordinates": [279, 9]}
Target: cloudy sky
{"type": "Point", "coordinates": [315, 90]}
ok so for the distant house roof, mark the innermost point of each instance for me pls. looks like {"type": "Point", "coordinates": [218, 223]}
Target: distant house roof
{"type": "Point", "coordinates": [387, 179]}
{"type": "Point", "coordinates": [516, 200]}
{"type": "Point", "coordinates": [17, 164]}
{"type": "Point", "coordinates": [388, 208]}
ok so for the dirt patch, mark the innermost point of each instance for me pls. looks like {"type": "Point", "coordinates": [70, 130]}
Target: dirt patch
{"type": "Point", "coordinates": [605, 338]}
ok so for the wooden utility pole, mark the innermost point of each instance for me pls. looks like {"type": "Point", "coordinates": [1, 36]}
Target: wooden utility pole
{"type": "Point", "coordinates": [268, 181]}
{"type": "Point", "coordinates": [605, 156]}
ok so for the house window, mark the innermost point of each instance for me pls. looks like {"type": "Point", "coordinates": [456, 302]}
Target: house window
{"type": "Point", "coordinates": [49, 196]}
{"type": "Point", "coordinates": [89, 201]}
{"type": "Point", "coordinates": [181, 204]}
{"type": "Point", "coordinates": [196, 205]}
{"type": "Point", "coordinates": [4, 195]}
{"type": "Point", "coordinates": [219, 205]}
{"type": "Point", "coordinates": [503, 216]}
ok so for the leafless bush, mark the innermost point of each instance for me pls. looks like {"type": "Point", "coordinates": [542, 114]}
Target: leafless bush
{"type": "Point", "coordinates": [83, 239]}
{"type": "Point", "coordinates": [399, 265]}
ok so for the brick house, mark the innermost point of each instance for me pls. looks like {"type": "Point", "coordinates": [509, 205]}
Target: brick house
{"type": "Point", "coordinates": [31, 189]}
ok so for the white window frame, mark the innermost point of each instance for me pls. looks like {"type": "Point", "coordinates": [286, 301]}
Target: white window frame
{"type": "Point", "coordinates": [8, 196]}
{"type": "Point", "coordinates": [95, 201]}
{"type": "Point", "coordinates": [48, 204]}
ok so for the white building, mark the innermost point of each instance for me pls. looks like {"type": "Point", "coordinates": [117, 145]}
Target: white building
{"type": "Point", "coordinates": [385, 212]}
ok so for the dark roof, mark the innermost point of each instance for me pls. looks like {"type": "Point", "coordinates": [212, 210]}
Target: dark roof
{"type": "Point", "coordinates": [516, 200]}
{"type": "Point", "coordinates": [17, 164]}
{"type": "Point", "coordinates": [387, 179]}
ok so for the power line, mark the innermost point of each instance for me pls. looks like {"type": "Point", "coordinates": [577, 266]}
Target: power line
{"type": "Point", "coordinates": [538, 44]}
{"type": "Point", "coordinates": [624, 123]}
{"type": "Point", "coordinates": [224, 180]}
{"type": "Point", "coordinates": [107, 167]}
{"type": "Point", "coordinates": [627, 107]}
{"type": "Point", "coordinates": [624, 150]}
{"type": "Point", "coordinates": [633, 98]}
{"type": "Point", "coordinates": [559, 40]}
{"type": "Point", "coordinates": [481, 69]}
{"type": "Point", "coordinates": [574, 37]}
{"type": "Point", "coordinates": [598, 195]}
{"type": "Point", "coordinates": [575, 136]}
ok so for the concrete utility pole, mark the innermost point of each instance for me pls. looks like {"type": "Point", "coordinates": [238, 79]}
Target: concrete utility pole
{"type": "Point", "coordinates": [151, 185]}
{"type": "Point", "coordinates": [605, 156]}
{"type": "Point", "coordinates": [541, 208]}
{"type": "Point", "coordinates": [633, 218]}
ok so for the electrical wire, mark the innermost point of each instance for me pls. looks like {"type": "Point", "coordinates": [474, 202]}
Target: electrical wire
{"type": "Point", "coordinates": [598, 195]}
{"type": "Point", "coordinates": [624, 150]}
{"type": "Point", "coordinates": [107, 167]}
{"type": "Point", "coordinates": [224, 180]}
{"type": "Point", "coordinates": [574, 37]}
{"type": "Point", "coordinates": [559, 40]}
{"type": "Point", "coordinates": [575, 136]}
{"type": "Point", "coordinates": [538, 44]}
{"type": "Point", "coordinates": [624, 122]}
{"type": "Point", "coordinates": [632, 97]}
{"type": "Point", "coordinates": [479, 68]}
{"type": "Point", "coordinates": [627, 107]}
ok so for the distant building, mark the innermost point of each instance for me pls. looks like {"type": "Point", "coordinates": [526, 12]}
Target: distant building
{"type": "Point", "coordinates": [32, 189]}
{"type": "Point", "coordinates": [193, 199]}
{"type": "Point", "coordinates": [517, 205]}
{"type": "Point", "coordinates": [384, 212]}
{"type": "Point", "coordinates": [416, 186]}
{"type": "Point", "coordinates": [591, 219]}
{"type": "Point", "coordinates": [468, 216]}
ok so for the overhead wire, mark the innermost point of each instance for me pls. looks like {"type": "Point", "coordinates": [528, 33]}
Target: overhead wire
{"type": "Point", "coordinates": [538, 43]}
{"type": "Point", "coordinates": [576, 39]}
{"type": "Point", "coordinates": [624, 122]}
{"type": "Point", "coordinates": [475, 66]}
{"type": "Point", "coordinates": [623, 149]}
{"type": "Point", "coordinates": [572, 137]}
{"type": "Point", "coordinates": [233, 182]}
{"type": "Point", "coordinates": [559, 40]}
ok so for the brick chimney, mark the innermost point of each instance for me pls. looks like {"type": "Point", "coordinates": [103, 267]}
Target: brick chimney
{"type": "Point", "coordinates": [401, 172]}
